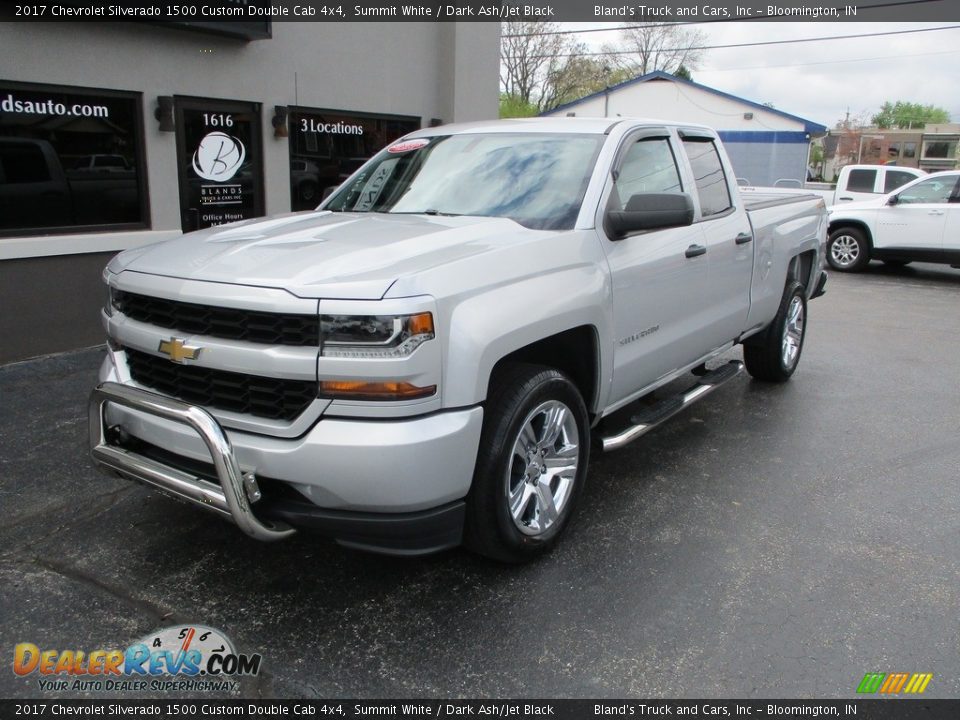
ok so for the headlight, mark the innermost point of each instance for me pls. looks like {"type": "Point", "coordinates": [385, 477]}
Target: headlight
{"type": "Point", "coordinates": [109, 300]}
{"type": "Point", "coordinates": [374, 336]}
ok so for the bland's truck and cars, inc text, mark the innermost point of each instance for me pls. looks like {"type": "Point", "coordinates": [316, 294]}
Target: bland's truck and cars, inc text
{"type": "Point", "coordinates": [427, 358]}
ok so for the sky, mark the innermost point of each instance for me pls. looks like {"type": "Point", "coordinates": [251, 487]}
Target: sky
{"type": "Point", "coordinates": [820, 81]}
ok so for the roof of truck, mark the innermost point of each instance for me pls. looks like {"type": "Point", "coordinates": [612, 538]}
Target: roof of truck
{"type": "Point", "coordinates": [580, 125]}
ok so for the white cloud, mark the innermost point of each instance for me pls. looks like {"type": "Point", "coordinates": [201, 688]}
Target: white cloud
{"type": "Point", "coordinates": [821, 80]}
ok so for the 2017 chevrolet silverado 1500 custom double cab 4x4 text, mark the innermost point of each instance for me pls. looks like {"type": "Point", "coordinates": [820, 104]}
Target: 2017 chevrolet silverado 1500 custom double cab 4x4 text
{"type": "Point", "coordinates": [426, 358]}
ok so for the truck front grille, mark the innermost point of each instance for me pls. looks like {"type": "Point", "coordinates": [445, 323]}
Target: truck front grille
{"type": "Point", "coordinates": [228, 323]}
{"type": "Point", "coordinates": [246, 394]}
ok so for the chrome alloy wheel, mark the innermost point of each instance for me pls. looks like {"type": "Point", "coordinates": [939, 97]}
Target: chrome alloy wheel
{"type": "Point", "coordinates": [543, 467]}
{"type": "Point", "coordinates": [792, 333]}
{"type": "Point", "coordinates": [845, 250]}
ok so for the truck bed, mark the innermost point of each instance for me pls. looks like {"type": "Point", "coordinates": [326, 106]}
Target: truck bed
{"type": "Point", "coordinates": [757, 200]}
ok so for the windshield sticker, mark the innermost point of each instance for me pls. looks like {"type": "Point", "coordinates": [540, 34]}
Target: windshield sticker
{"type": "Point", "coordinates": [408, 145]}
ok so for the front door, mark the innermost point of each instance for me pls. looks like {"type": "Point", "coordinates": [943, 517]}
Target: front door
{"type": "Point", "coordinates": [220, 161]}
{"type": "Point", "coordinates": [918, 219]}
{"type": "Point", "coordinates": [658, 292]}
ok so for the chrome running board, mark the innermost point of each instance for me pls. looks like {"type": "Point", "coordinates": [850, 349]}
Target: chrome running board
{"type": "Point", "coordinates": [648, 419]}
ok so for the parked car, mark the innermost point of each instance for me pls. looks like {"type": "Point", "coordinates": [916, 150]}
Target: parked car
{"type": "Point", "coordinates": [428, 358]}
{"type": "Point", "coordinates": [920, 221]}
{"type": "Point", "coordinates": [855, 182]}
{"type": "Point", "coordinates": [34, 184]}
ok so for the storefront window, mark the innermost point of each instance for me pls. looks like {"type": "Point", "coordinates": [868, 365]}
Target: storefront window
{"type": "Point", "coordinates": [71, 160]}
{"type": "Point", "coordinates": [326, 147]}
{"type": "Point", "coordinates": [940, 149]}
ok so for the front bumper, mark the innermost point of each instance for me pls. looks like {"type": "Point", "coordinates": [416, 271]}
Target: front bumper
{"type": "Point", "coordinates": [393, 485]}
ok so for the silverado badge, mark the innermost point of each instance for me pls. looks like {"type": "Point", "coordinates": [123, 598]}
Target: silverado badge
{"type": "Point", "coordinates": [177, 351]}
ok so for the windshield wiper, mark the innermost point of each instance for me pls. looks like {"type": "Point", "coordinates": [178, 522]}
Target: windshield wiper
{"type": "Point", "coordinates": [434, 211]}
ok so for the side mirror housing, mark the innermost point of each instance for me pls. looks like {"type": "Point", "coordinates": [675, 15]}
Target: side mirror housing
{"type": "Point", "coordinates": [649, 211]}
{"type": "Point", "coordinates": [893, 200]}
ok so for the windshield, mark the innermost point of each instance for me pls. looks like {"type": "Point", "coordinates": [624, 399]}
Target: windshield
{"type": "Point", "coordinates": [535, 179]}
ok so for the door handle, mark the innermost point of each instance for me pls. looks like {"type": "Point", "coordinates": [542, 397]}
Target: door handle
{"type": "Point", "coordinates": [845, 198]}
{"type": "Point", "coordinates": [935, 212]}
{"type": "Point", "coordinates": [743, 238]}
{"type": "Point", "coordinates": [695, 250]}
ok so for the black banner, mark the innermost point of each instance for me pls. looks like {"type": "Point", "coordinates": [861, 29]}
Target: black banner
{"type": "Point", "coordinates": [250, 18]}
{"type": "Point", "coordinates": [519, 709]}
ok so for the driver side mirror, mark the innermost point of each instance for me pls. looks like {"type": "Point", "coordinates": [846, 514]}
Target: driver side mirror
{"type": "Point", "coordinates": [649, 211]}
{"type": "Point", "coordinates": [893, 200]}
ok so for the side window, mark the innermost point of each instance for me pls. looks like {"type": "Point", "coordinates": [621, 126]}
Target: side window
{"type": "Point", "coordinates": [933, 190]}
{"type": "Point", "coordinates": [709, 176]}
{"type": "Point", "coordinates": [862, 180]}
{"type": "Point", "coordinates": [895, 179]}
{"type": "Point", "coordinates": [648, 166]}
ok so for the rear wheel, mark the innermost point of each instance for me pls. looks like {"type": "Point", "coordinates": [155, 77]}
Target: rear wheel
{"type": "Point", "coordinates": [774, 354]}
{"type": "Point", "coordinates": [531, 466]}
{"type": "Point", "coordinates": [848, 250]}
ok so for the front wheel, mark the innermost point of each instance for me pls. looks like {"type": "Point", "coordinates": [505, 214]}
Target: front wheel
{"type": "Point", "coordinates": [773, 355]}
{"type": "Point", "coordinates": [531, 466]}
{"type": "Point", "coordinates": [848, 250]}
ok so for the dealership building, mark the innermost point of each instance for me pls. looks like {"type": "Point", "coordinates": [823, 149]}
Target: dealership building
{"type": "Point", "coordinates": [116, 135]}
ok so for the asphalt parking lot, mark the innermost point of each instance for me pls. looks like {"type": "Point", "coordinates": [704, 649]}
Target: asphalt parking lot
{"type": "Point", "coordinates": [774, 541]}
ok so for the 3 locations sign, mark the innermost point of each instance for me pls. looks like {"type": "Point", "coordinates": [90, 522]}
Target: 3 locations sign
{"type": "Point", "coordinates": [220, 162]}
{"type": "Point", "coordinates": [326, 147]}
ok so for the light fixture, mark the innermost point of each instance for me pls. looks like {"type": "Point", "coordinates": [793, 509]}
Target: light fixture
{"type": "Point", "coordinates": [748, 116]}
{"type": "Point", "coordinates": [164, 113]}
{"type": "Point", "coordinates": [279, 121]}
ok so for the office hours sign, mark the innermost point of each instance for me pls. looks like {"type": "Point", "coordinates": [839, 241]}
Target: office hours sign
{"type": "Point", "coordinates": [220, 162]}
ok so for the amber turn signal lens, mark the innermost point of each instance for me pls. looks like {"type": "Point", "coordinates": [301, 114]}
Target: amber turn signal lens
{"type": "Point", "coordinates": [359, 390]}
{"type": "Point", "coordinates": [420, 324]}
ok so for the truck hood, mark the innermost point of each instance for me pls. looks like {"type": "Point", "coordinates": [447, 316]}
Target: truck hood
{"type": "Point", "coordinates": [322, 254]}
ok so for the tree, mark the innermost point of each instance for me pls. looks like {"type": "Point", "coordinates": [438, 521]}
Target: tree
{"type": "Point", "coordinates": [513, 107]}
{"type": "Point", "coordinates": [540, 68]}
{"type": "Point", "coordinates": [906, 115]}
{"type": "Point", "coordinates": [654, 46]}
{"type": "Point", "coordinates": [684, 73]}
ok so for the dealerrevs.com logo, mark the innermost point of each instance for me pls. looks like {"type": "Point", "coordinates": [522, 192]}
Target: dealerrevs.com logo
{"type": "Point", "coordinates": [178, 658]}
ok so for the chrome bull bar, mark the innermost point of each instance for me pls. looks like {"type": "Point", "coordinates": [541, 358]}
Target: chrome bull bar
{"type": "Point", "coordinates": [229, 500]}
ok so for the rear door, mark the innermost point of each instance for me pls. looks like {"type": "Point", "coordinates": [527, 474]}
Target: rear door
{"type": "Point", "coordinates": [859, 184]}
{"type": "Point", "coordinates": [728, 239]}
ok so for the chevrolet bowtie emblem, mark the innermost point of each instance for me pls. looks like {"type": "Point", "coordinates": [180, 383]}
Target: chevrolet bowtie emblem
{"type": "Point", "coordinates": [177, 351]}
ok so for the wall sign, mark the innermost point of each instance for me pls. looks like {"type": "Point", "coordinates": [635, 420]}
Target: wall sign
{"type": "Point", "coordinates": [220, 161]}
{"type": "Point", "coordinates": [326, 146]}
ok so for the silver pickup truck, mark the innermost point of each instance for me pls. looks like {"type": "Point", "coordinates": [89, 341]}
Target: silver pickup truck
{"type": "Point", "coordinates": [427, 358]}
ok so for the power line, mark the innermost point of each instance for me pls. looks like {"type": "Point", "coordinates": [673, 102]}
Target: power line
{"type": "Point", "coordinates": [828, 62]}
{"type": "Point", "coordinates": [737, 45]}
{"type": "Point", "coordinates": [860, 6]}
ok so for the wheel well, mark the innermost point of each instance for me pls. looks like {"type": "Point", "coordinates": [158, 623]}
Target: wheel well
{"type": "Point", "coordinates": [855, 224]}
{"type": "Point", "coordinates": [801, 268]}
{"type": "Point", "coordinates": [573, 352]}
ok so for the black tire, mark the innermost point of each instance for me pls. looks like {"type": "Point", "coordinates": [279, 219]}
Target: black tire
{"type": "Point", "coordinates": [848, 249]}
{"type": "Point", "coordinates": [766, 355]}
{"type": "Point", "coordinates": [517, 392]}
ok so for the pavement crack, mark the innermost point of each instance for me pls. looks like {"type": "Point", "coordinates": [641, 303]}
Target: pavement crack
{"type": "Point", "coordinates": [108, 501]}
{"type": "Point", "coordinates": [83, 577]}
